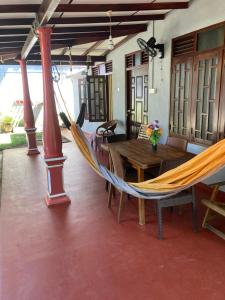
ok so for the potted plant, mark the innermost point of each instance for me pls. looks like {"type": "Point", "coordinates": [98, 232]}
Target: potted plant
{"type": "Point", "coordinates": [7, 124]}
{"type": "Point", "coordinates": [154, 132]}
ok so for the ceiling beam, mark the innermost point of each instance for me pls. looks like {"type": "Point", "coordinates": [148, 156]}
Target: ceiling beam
{"type": "Point", "coordinates": [19, 8]}
{"type": "Point", "coordinates": [34, 8]}
{"type": "Point", "coordinates": [9, 22]}
{"type": "Point", "coordinates": [38, 63]}
{"type": "Point", "coordinates": [84, 20]}
{"type": "Point", "coordinates": [14, 31]}
{"type": "Point", "coordinates": [66, 58]}
{"type": "Point", "coordinates": [92, 20]}
{"type": "Point", "coordinates": [70, 39]}
{"type": "Point", "coordinates": [9, 39]}
{"type": "Point", "coordinates": [141, 27]}
{"type": "Point", "coordinates": [45, 12]}
{"type": "Point", "coordinates": [68, 30]}
{"type": "Point", "coordinates": [120, 7]}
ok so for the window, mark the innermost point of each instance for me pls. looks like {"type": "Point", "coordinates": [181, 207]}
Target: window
{"type": "Point", "coordinates": [196, 106]}
{"type": "Point", "coordinates": [92, 91]}
{"type": "Point", "coordinates": [96, 98]}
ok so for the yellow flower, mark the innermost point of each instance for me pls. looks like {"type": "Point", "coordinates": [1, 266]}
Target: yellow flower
{"type": "Point", "coordinates": [160, 131]}
{"type": "Point", "coordinates": [149, 131]}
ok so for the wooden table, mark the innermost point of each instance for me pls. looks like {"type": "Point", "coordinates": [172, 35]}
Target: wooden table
{"type": "Point", "coordinates": [140, 155]}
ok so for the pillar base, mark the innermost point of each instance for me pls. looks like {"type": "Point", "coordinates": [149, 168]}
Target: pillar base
{"type": "Point", "coordinates": [31, 141]}
{"type": "Point", "coordinates": [33, 151]}
{"type": "Point", "coordinates": [57, 200]}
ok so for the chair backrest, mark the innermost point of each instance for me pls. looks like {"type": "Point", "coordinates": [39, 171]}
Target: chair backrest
{"type": "Point", "coordinates": [178, 143]}
{"type": "Point", "coordinates": [167, 165]}
{"type": "Point", "coordinates": [110, 126]}
{"type": "Point", "coordinates": [116, 138]}
{"type": "Point", "coordinates": [142, 132]}
{"type": "Point", "coordinates": [117, 163]}
{"type": "Point", "coordinates": [80, 119]}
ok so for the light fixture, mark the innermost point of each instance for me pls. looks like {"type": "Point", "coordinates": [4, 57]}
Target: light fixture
{"type": "Point", "coordinates": [110, 41]}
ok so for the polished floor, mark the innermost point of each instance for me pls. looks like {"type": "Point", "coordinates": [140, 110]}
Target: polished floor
{"type": "Point", "coordinates": [79, 252]}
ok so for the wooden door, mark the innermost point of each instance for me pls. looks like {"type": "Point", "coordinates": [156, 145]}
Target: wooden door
{"type": "Point", "coordinates": [137, 100]}
{"type": "Point", "coordinates": [82, 85]}
{"type": "Point", "coordinates": [221, 133]}
{"type": "Point", "coordinates": [206, 94]}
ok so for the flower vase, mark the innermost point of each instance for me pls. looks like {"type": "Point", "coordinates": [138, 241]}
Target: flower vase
{"type": "Point", "coordinates": [154, 147]}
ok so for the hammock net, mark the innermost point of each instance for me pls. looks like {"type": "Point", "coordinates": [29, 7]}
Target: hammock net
{"type": "Point", "coordinates": [170, 183]}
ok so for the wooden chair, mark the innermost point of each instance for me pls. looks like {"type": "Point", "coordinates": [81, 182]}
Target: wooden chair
{"type": "Point", "coordinates": [214, 209]}
{"type": "Point", "coordinates": [113, 139]}
{"type": "Point", "coordinates": [103, 131]}
{"type": "Point", "coordinates": [184, 197]}
{"type": "Point", "coordinates": [116, 165]}
{"type": "Point", "coordinates": [116, 138]}
{"type": "Point", "coordinates": [142, 133]}
{"type": "Point", "coordinates": [178, 143]}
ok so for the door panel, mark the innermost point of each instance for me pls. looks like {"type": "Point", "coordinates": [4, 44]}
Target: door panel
{"type": "Point", "coordinates": [206, 93]}
{"type": "Point", "coordinates": [180, 103]}
{"type": "Point", "coordinates": [221, 134]}
{"type": "Point", "coordinates": [137, 100]}
{"type": "Point", "coordinates": [82, 84]}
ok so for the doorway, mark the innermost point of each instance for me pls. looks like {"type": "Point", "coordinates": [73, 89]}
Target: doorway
{"type": "Point", "coordinates": [137, 99]}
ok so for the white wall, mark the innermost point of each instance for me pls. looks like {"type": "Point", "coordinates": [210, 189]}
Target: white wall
{"type": "Point", "coordinates": [200, 14]}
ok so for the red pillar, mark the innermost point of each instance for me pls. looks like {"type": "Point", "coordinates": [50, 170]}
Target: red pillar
{"type": "Point", "coordinates": [52, 140]}
{"type": "Point", "coordinates": [28, 116]}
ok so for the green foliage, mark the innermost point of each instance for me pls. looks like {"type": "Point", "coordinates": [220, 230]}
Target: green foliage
{"type": "Point", "coordinates": [7, 120]}
{"type": "Point", "coordinates": [17, 140]}
{"type": "Point", "coordinates": [21, 123]}
{"type": "Point", "coordinates": [154, 138]}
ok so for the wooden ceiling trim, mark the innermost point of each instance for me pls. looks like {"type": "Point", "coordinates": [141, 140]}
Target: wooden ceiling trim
{"type": "Point", "coordinates": [14, 31]}
{"type": "Point", "coordinates": [66, 58]}
{"type": "Point", "coordinates": [68, 30]}
{"type": "Point", "coordinates": [19, 8]}
{"type": "Point", "coordinates": [84, 20]}
{"type": "Point", "coordinates": [10, 22]}
{"type": "Point", "coordinates": [34, 8]}
{"type": "Point", "coordinates": [93, 20]}
{"type": "Point", "coordinates": [115, 28]}
{"type": "Point", "coordinates": [120, 7]}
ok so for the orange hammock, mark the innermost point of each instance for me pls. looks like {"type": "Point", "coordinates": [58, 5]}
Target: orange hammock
{"type": "Point", "coordinates": [191, 172]}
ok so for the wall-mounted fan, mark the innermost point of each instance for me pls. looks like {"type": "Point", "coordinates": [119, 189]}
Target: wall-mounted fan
{"type": "Point", "coordinates": [151, 48]}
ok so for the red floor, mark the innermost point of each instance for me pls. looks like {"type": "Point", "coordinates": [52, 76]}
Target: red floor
{"type": "Point", "coordinates": [80, 252]}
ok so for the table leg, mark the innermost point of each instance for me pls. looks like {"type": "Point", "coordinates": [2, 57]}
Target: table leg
{"type": "Point", "coordinates": [141, 202]}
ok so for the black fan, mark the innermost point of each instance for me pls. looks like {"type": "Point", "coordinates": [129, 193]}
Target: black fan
{"type": "Point", "coordinates": [150, 47]}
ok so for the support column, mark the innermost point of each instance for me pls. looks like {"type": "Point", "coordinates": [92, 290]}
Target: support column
{"type": "Point", "coordinates": [28, 115]}
{"type": "Point", "coordinates": [52, 140]}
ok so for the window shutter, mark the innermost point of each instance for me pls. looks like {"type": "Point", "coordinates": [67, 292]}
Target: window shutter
{"type": "Point", "coordinates": [184, 45]}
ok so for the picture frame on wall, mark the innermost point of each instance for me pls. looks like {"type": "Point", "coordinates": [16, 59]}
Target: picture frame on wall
{"type": "Point", "coordinates": [139, 87]}
{"type": "Point", "coordinates": [145, 99]}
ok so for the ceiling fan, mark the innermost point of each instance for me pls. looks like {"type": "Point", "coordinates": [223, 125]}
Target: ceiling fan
{"type": "Point", "coordinates": [151, 48]}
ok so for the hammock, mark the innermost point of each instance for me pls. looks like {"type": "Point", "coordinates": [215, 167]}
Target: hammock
{"type": "Point", "coordinates": [168, 184]}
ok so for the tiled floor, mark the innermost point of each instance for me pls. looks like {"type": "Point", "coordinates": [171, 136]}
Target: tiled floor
{"type": "Point", "coordinates": [79, 252]}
